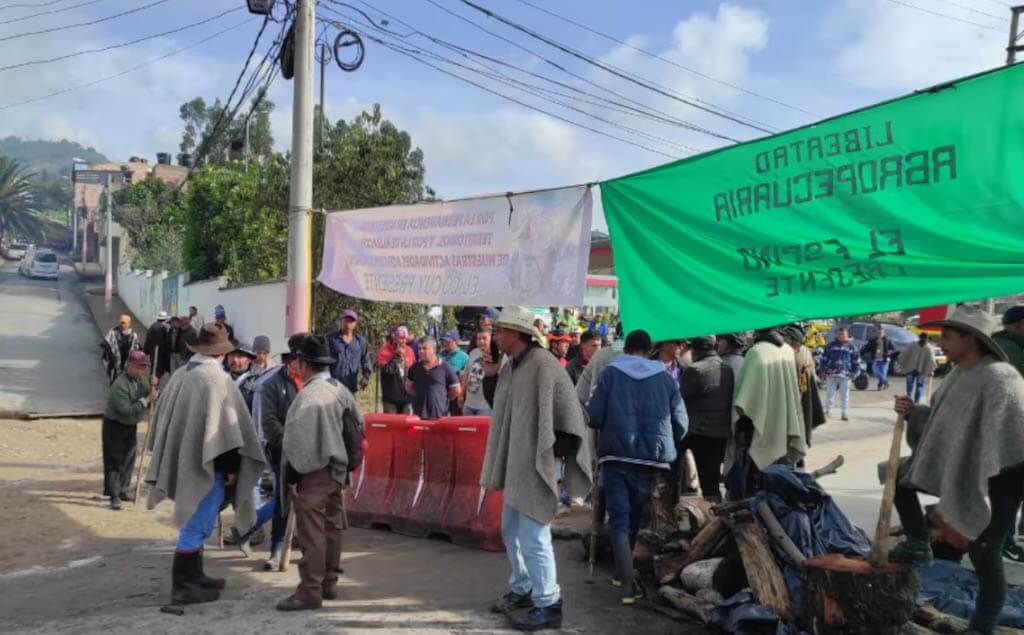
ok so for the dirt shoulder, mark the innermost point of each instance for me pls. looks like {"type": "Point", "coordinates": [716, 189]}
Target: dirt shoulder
{"type": "Point", "coordinates": [68, 564]}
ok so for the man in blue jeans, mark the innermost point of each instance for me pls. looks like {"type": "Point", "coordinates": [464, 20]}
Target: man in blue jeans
{"type": "Point", "coordinates": [537, 420]}
{"type": "Point", "coordinates": [640, 418]}
{"type": "Point", "coordinates": [918, 362]}
{"type": "Point", "coordinates": [839, 363]}
{"type": "Point", "coordinates": [878, 352]}
{"type": "Point", "coordinates": [205, 451]}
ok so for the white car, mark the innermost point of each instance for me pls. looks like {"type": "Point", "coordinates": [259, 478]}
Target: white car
{"type": "Point", "coordinates": [15, 251]}
{"type": "Point", "coordinates": [40, 263]}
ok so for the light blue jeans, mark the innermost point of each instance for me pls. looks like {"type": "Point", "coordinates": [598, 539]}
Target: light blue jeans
{"type": "Point", "coordinates": [842, 384]}
{"type": "Point", "coordinates": [529, 549]}
{"type": "Point", "coordinates": [881, 371]}
{"type": "Point", "coordinates": [204, 519]}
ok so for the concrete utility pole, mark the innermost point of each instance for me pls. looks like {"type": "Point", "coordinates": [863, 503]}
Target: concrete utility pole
{"type": "Point", "coordinates": [85, 230]}
{"type": "Point", "coordinates": [1016, 44]}
{"type": "Point", "coordinates": [300, 197]}
{"type": "Point", "coordinates": [108, 279]}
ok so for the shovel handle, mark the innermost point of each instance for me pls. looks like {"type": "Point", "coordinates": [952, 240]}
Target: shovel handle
{"type": "Point", "coordinates": [880, 546]}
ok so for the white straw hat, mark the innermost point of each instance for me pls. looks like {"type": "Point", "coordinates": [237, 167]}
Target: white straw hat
{"type": "Point", "coordinates": [519, 318]}
{"type": "Point", "coordinates": [976, 321]}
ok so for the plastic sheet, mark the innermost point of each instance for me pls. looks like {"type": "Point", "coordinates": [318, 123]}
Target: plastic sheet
{"type": "Point", "coordinates": [954, 590]}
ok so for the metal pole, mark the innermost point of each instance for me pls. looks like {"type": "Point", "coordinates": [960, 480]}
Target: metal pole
{"type": "Point", "coordinates": [108, 279]}
{"type": "Point", "coordinates": [85, 230]}
{"type": "Point", "coordinates": [1013, 47]}
{"type": "Point", "coordinates": [74, 214]}
{"type": "Point", "coordinates": [300, 198]}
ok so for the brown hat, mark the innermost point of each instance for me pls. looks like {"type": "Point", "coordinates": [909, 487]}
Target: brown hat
{"type": "Point", "coordinates": [213, 341]}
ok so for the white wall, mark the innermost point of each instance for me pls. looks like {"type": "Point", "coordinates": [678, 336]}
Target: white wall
{"type": "Point", "coordinates": [252, 310]}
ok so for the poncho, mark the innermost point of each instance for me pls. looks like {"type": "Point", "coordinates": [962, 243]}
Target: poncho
{"type": "Point", "coordinates": [767, 392]}
{"type": "Point", "coordinates": [533, 400]}
{"type": "Point", "coordinates": [973, 430]}
{"type": "Point", "coordinates": [313, 430]}
{"type": "Point", "coordinates": [918, 358]}
{"type": "Point", "coordinates": [199, 416]}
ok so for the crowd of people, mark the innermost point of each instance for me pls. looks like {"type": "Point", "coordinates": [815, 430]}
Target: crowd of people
{"type": "Point", "coordinates": [568, 406]}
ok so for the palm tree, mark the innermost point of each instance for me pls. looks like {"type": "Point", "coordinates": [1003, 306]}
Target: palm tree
{"type": "Point", "coordinates": [18, 217]}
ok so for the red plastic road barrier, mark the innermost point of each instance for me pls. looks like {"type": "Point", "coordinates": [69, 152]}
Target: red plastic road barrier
{"type": "Point", "coordinates": [407, 479]}
{"type": "Point", "coordinates": [428, 510]}
{"type": "Point", "coordinates": [372, 483]}
{"type": "Point", "coordinates": [473, 516]}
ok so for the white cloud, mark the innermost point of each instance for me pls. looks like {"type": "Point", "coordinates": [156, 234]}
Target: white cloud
{"type": "Point", "coordinates": [899, 48]}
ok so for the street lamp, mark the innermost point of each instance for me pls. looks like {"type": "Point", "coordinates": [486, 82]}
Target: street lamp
{"type": "Point", "coordinates": [260, 7]}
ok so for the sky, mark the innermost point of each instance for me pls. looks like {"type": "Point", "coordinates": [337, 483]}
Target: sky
{"type": "Point", "coordinates": [774, 64]}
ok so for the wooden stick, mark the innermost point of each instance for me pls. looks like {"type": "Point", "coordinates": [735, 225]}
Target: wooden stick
{"type": "Point", "coordinates": [928, 391]}
{"type": "Point", "coordinates": [831, 468]}
{"type": "Point", "coordinates": [289, 533]}
{"type": "Point", "coordinates": [149, 432]}
{"type": "Point", "coordinates": [220, 532]}
{"type": "Point", "coordinates": [778, 534]}
{"type": "Point", "coordinates": [880, 546]}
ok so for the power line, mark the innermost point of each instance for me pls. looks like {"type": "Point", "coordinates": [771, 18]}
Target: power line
{"type": "Point", "coordinates": [122, 45]}
{"type": "Point", "coordinates": [640, 107]}
{"type": "Point", "coordinates": [666, 60]}
{"type": "Point", "coordinates": [127, 70]}
{"type": "Point", "coordinates": [519, 102]}
{"type": "Point", "coordinates": [972, 9]}
{"type": "Point", "coordinates": [81, 24]}
{"type": "Point", "coordinates": [533, 90]}
{"type": "Point", "coordinates": [945, 15]}
{"type": "Point", "coordinates": [36, 5]}
{"type": "Point", "coordinates": [44, 13]}
{"type": "Point", "coordinates": [611, 69]}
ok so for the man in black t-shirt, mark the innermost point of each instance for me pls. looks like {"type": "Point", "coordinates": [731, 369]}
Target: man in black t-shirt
{"type": "Point", "coordinates": [432, 383]}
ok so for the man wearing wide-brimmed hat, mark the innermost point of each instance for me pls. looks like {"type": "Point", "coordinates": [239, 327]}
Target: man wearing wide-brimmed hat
{"type": "Point", "coordinates": [205, 450]}
{"type": "Point", "coordinates": [537, 421]}
{"type": "Point", "coordinates": [322, 444]}
{"type": "Point", "coordinates": [130, 396]}
{"type": "Point", "coordinates": [968, 444]}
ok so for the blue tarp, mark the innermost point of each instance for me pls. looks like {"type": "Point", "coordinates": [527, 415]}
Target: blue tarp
{"type": "Point", "coordinates": [953, 589]}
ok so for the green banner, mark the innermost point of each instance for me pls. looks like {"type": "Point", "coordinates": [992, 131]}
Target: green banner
{"type": "Point", "coordinates": [914, 202]}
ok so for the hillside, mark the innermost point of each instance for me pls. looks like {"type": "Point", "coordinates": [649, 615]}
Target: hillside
{"type": "Point", "coordinates": [47, 159]}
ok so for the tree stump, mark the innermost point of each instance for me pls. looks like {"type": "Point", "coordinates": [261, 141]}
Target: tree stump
{"type": "Point", "coordinates": [845, 596]}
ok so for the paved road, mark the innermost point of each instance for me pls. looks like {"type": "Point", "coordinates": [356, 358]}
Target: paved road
{"type": "Point", "coordinates": [49, 346]}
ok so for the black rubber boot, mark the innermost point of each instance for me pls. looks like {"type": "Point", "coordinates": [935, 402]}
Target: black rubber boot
{"type": "Point", "coordinates": [206, 581]}
{"type": "Point", "coordinates": [184, 580]}
{"type": "Point", "coordinates": [623, 563]}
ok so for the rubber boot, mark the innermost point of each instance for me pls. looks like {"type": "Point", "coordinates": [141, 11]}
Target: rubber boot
{"type": "Point", "coordinates": [206, 581]}
{"type": "Point", "coordinates": [623, 564]}
{"type": "Point", "coordinates": [184, 580]}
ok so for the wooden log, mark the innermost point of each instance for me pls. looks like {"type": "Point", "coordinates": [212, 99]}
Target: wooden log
{"type": "Point", "coordinates": [689, 604]}
{"type": "Point", "coordinates": [846, 596]}
{"type": "Point", "coordinates": [778, 534]}
{"type": "Point", "coordinates": [693, 513]}
{"type": "Point", "coordinates": [932, 618]}
{"type": "Point", "coordinates": [668, 565]}
{"type": "Point", "coordinates": [763, 572]}
{"type": "Point", "coordinates": [709, 542]}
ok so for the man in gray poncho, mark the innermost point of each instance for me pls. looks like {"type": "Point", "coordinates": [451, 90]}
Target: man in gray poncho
{"type": "Point", "coordinates": [322, 443]}
{"type": "Point", "coordinates": [205, 451]}
{"type": "Point", "coordinates": [537, 420]}
{"type": "Point", "coordinates": [968, 444]}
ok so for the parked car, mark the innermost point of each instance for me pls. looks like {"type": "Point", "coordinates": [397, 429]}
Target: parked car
{"type": "Point", "coordinates": [15, 251]}
{"type": "Point", "coordinates": [39, 263]}
{"type": "Point", "coordinates": [861, 332]}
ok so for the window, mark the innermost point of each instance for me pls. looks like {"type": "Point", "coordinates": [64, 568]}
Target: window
{"type": "Point", "coordinates": [51, 258]}
{"type": "Point", "coordinates": [858, 332]}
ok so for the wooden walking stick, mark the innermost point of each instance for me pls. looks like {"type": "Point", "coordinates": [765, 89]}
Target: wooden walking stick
{"type": "Point", "coordinates": [289, 534]}
{"type": "Point", "coordinates": [880, 546]}
{"type": "Point", "coordinates": [149, 433]}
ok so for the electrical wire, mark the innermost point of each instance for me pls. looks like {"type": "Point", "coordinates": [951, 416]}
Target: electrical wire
{"type": "Point", "coordinates": [665, 59]}
{"type": "Point", "coordinates": [972, 9]}
{"type": "Point", "coordinates": [44, 13]}
{"type": "Point", "coordinates": [517, 101]}
{"type": "Point", "coordinates": [611, 69]}
{"type": "Point", "coordinates": [536, 91]}
{"type": "Point", "coordinates": [945, 15]}
{"type": "Point", "coordinates": [127, 70]}
{"type": "Point", "coordinates": [636, 107]}
{"type": "Point", "coordinates": [24, 5]}
{"type": "Point", "coordinates": [66, 27]}
{"type": "Point", "coordinates": [122, 45]}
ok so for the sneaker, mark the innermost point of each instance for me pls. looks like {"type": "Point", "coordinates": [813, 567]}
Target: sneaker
{"type": "Point", "coordinates": [845, 417]}
{"type": "Point", "coordinates": [511, 602]}
{"type": "Point", "coordinates": [915, 552]}
{"type": "Point", "coordinates": [1014, 553]}
{"type": "Point", "coordinates": [539, 618]}
{"type": "Point", "coordinates": [638, 594]}
{"type": "Point", "coordinates": [617, 583]}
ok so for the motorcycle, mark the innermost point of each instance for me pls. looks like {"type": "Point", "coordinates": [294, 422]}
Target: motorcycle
{"type": "Point", "coordinates": [861, 379]}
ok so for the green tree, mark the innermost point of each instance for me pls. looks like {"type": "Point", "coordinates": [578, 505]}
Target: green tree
{"type": "Point", "coordinates": [200, 119]}
{"type": "Point", "coordinates": [149, 213]}
{"type": "Point", "coordinates": [18, 215]}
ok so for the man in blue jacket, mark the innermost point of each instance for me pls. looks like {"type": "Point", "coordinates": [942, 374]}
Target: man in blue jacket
{"type": "Point", "coordinates": [639, 415]}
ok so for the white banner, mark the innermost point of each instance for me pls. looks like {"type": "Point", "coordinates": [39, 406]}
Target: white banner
{"type": "Point", "coordinates": [522, 249]}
